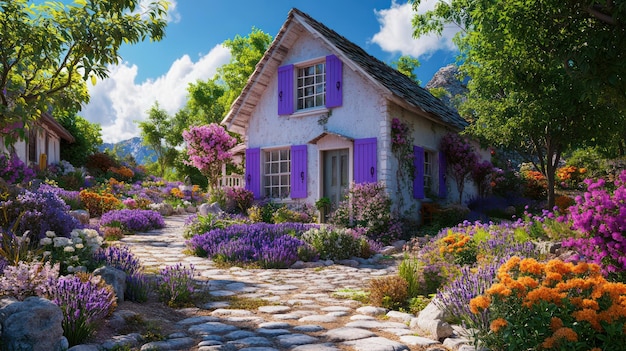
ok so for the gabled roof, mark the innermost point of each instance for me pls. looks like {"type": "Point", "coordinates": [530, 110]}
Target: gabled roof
{"type": "Point", "coordinates": [56, 127]}
{"type": "Point", "coordinates": [399, 87]}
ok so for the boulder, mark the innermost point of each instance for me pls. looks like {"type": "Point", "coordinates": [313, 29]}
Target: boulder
{"type": "Point", "coordinates": [33, 324]}
{"type": "Point", "coordinates": [213, 208]}
{"type": "Point", "coordinates": [81, 215]}
{"type": "Point", "coordinates": [430, 320]}
{"type": "Point", "coordinates": [114, 277]}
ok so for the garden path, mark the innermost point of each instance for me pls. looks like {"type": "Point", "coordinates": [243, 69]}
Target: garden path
{"type": "Point", "coordinates": [305, 313]}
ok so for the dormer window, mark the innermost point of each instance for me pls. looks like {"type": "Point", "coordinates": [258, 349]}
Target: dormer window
{"type": "Point", "coordinates": [311, 86]}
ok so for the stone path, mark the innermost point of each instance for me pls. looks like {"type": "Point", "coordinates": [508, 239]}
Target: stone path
{"type": "Point", "coordinates": [305, 313]}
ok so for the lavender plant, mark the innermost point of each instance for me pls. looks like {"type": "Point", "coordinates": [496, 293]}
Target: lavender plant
{"type": "Point", "coordinates": [122, 258]}
{"type": "Point", "coordinates": [272, 245]}
{"type": "Point", "coordinates": [84, 304]}
{"type": "Point", "coordinates": [175, 284]}
{"type": "Point", "coordinates": [133, 220]}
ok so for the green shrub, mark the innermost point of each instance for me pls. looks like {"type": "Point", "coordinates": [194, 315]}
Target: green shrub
{"type": "Point", "coordinates": [333, 243]}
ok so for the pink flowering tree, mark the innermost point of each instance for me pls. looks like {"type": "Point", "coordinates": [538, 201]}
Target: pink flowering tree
{"type": "Point", "coordinates": [208, 148]}
{"type": "Point", "coordinates": [460, 158]}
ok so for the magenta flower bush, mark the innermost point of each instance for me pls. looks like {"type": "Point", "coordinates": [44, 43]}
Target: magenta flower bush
{"type": "Point", "coordinates": [133, 220]}
{"type": "Point", "coordinates": [28, 279]}
{"type": "Point", "coordinates": [238, 199]}
{"type": "Point", "coordinates": [460, 159]}
{"type": "Point", "coordinates": [368, 206]}
{"type": "Point", "coordinates": [601, 216]}
{"type": "Point", "coordinates": [208, 148]}
{"type": "Point", "coordinates": [13, 170]}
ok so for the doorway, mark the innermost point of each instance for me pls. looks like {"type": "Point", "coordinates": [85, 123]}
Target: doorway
{"type": "Point", "coordinates": [335, 172]}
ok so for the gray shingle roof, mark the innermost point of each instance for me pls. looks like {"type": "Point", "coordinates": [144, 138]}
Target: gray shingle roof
{"type": "Point", "coordinates": [399, 84]}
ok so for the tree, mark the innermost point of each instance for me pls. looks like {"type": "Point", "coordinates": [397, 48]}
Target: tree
{"type": "Point", "coordinates": [47, 49]}
{"type": "Point", "coordinates": [407, 65]}
{"type": "Point", "coordinates": [87, 138]}
{"type": "Point", "coordinates": [522, 95]}
{"type": "Point", "coordinates": [154, 132]}
{"type": "Point", "coordinates": [208, 148]}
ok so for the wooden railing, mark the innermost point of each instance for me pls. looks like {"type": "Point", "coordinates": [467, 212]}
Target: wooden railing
{"type": "Point", "coordinates": [232, 181]}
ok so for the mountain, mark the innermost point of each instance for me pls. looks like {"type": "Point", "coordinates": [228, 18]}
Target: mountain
{"type": "Point", "coordinates": [447, 78]}
{"type": "Point", "coordinates": [134, 147]}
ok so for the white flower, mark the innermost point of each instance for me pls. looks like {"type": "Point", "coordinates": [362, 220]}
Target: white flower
{"type": "Point", "coordinates": [45, 241]}
{"type": "Point", "coordinates": [77, 240]}
{"type": "Point", "coordinates": [79, 246]}
{"type": "Point", "coordinates": [68, 249]}
{"type": "Point", "coordinates": [50, 234]}
{"type": "Point", "coordinates": [61, 241]}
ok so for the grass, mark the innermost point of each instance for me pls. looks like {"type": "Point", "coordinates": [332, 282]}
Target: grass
{"type": "Point", "coordinates": [353, 294]}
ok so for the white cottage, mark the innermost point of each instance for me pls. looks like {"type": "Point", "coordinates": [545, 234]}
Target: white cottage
{"type": "Point", "coordinates": [43, 145]}
{"type": "Point", "coordinates": [316, 116]}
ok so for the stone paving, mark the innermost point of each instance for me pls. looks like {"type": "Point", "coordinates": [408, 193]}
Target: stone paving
{"type": "Point", "coordinates": [304, 314]}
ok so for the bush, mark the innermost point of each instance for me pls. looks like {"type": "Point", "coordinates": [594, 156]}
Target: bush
{"type": "Point", "coordinates": [600, 216]}
{"type": "Point", "coordinates": [560, 305]}
{"type": "Point", "coordinates": [14, 171]}
{"type": "Point", "coordinates": [37, 212]}
{"type": "Point", "coordinates": [98, 204]}
{"type": "Point", "coordinates": [238, 200]}
{"type": "Point", "coordinates": [367, 205]}
{"type": "Point", "coordinates": [74, 254]}
{"type": "Point", "coordinates": [333, 243]}
{"type": "Point", "coordinates": [198, 224]}
{"type": "Point", "coordinates": [389, 292]}
{"type": "Point", "coordinates": [132, 221]}
{"type": "Point", "coordinates": [28, 279]}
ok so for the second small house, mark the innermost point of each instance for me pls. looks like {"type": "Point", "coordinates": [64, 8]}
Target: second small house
{"type": "Point", "coordinates": [316, 116]}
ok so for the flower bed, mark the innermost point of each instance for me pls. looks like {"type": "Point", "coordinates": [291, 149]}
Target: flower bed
{"type": "Point", "coordinates": [132, 221]}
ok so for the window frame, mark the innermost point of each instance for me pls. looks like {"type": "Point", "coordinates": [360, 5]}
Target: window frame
{"type": "Point", "coordinates": [284, 190]}
{"type": "Point", "coordinates": [429, 165]}
{"type": "Point", "coordinates": [315, 86]}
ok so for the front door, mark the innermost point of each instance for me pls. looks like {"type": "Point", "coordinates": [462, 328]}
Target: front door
{"type": "Point", "coordinates": [335, 175]}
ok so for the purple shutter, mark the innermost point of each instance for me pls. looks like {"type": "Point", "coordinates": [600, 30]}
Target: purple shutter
{"type": "Point", "coordinates": [418, 181]}
{"type": "Point", "coordinates": [443, 189]}
{"type": "Point", "coordinates": [253, 171]}
{"type": "Point", "coordinates": [298, 172]}
{"type": "Point", "coordinates": [365, 170]}
{"type": "Point", "coordinates": [334, 82]}
{"type": "Point", "coordinates": [285, 90]}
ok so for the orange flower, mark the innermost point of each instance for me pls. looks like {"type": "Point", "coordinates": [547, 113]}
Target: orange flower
{"type": "Point", "coordinates": [499, 289]}
{"type": "Point", "coordinates": [544, 294]}
{"type": "Point", "coordinates": [588, 315]}
{"type": "Point", "coordinates": [558, 266]}
{"type": "Point", "coordinates": [591, 304]}
{"type": "Point", "coordinates": [566, 333]}
{"type": "Point", "coordinates": [528, 282]}
{"type": "Point", "coordinates": [530, 265]}
{"type": "Point", "coordinates": [479, 302]}
{"type": "Point", "coordinates": [498, 324]}
{"type": "Point", "coordinates": [555, 323]}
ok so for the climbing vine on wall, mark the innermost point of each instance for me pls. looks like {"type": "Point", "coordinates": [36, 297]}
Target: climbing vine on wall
{"type": "Point", "coordinates": [402, 148]}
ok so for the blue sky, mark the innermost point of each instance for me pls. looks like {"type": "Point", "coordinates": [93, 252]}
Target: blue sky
{"type": "Point", "coordinates": [191, 50]}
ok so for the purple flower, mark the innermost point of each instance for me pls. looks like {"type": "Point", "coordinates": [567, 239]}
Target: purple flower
{"type": "Point", "coordinates": [133, 220]}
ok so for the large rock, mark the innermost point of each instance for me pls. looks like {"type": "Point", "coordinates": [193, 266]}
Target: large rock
{"type": "Point", "coordinates": [81, 215]}
{"type": "Point", "coordinates": [34, 324]}
{"type": "Point", "coordinates": [430, 320]}
{"type": "Point", "coordinates": [114, 277]}
{"type": "Point", "coordinates": [213, 208]}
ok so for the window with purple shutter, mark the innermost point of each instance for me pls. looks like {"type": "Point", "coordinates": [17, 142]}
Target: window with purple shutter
{"type": "Point", "coordinates": [418, 164]}
{"type": "Point", "coordinates": [298, 172]}
{"type": "Point", "coordinates": [285, 90]}
{"type": "Point", "coordinates": [443, 189]}
{"type": "Point", "coordinates": [365, 156]}
{"type": "Point", "coordinates": [253, 171]}
{"type": "Point", "coordinates": [334, 82]}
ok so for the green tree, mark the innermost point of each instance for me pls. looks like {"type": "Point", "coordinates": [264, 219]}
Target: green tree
{"type": "Point", "coordinates": [154, 132]}
{"type": "Point", "coordinates": [87, 138]}
{"type": "Point", "coordinates": [46, 49]}
{"type": "Point", "coordinates": [521, 94]}
{"type": "Point", "coordinates": [407, 66]}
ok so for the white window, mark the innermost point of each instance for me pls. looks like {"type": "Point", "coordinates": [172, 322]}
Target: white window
{"type": "Point", "coordinates": [277, 165]}
{"type": "Point", "coordinates": [311, 86]}
{"type": "Point", "coordinates": [428, 171]}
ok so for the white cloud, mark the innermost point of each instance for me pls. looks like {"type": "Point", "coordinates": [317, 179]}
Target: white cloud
{"type": "Point", "coordinates": [396, 32]}
{"type": "Point", "coordinates": [117, 102]}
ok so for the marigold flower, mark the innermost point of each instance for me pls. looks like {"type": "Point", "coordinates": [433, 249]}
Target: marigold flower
{"type": "Point", "coordinates": [530, 265]}
{"type": "Point", "coordinates": [528, 282]}
{"type": "Point", "coordinates": [499, 289]}
{"type": "Point", "coordinates": [580, 268]}
{"type": "Point", "coordinates": [559, 267]}
{"type": "Point", "coordinates": [479, 302]}
{"type": "Point", "coordinates": [588, 315]}
{"type": "Point", "coordinates": [566, 333]}
{"type": "Point", "coordinates": [555, 323]}
{"type": "Point", "coordinates": [498, 324]}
